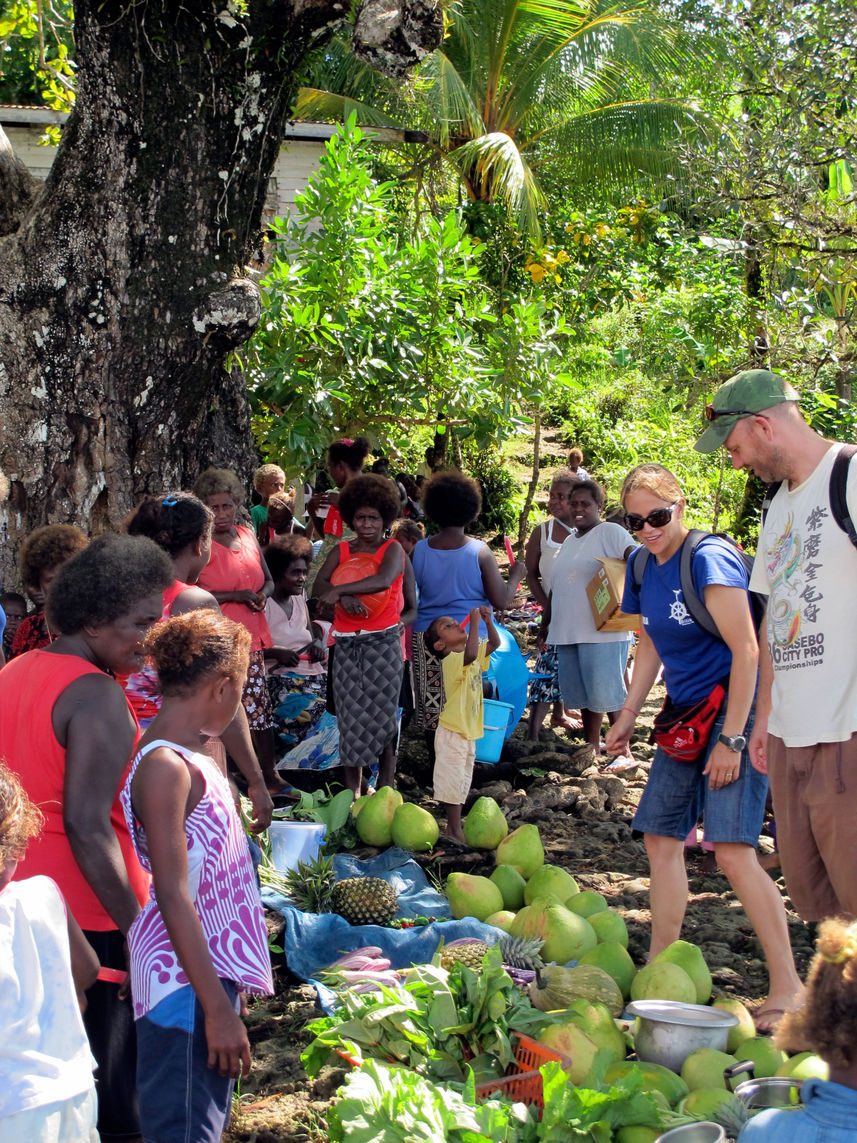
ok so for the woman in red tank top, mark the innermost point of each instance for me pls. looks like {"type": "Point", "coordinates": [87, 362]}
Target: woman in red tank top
{"type": "Point", "coordinates": [370, 611]}
{"type": "Point", "coordinates": [69, 733]}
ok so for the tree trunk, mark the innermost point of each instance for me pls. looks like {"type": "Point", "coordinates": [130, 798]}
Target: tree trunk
{"type": "Point", "coordinates": [524, 517]}
{"type": "Point", "coordinates": [121, 283]}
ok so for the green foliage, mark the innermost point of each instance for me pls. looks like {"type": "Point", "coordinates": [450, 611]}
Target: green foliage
{"type": "Point", "coordinates": [502, 495]}
{"type": "Point", "coordinates": [37, 55]}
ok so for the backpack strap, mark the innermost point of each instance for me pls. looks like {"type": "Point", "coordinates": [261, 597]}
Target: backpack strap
{"type": "Point", "coordinates": [697, 610]}
{"type": "Point", "coordinates": [838, 491]}
{"type": "Point", "coordinates": [638, 563]}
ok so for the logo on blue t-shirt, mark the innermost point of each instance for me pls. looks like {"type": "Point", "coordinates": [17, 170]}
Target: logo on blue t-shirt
{"type": "Point", "coordinates": [678, 611]}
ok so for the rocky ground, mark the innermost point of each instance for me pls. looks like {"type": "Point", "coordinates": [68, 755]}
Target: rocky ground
{"type": "Point", "coordinates": [584, 818]}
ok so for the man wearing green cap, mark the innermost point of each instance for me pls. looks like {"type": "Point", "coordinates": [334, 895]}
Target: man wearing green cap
{"type": "Point", "coordinates": [805, 736]}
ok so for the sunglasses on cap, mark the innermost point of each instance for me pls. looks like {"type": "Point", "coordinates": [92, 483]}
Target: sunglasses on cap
{"type": "Point", "coordinates": [711, 414]}
{"type": "Point", "coordinates": [657, 519]}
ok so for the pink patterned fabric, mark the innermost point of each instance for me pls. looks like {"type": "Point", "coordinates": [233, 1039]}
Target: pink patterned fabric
{"type": "Point", "coordinates": [222, 887]}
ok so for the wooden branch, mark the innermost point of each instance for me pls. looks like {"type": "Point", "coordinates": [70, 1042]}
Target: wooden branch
{"type": "Point", "coordinates": [18, 188]}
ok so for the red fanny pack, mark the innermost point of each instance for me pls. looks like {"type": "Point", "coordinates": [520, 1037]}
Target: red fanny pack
{"type": "Point", "coordinates": [683, 732]}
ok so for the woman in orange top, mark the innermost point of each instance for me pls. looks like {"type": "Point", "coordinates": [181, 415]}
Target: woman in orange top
{"type": "Point", "coordinates": [69, 734]}
{"type": "Point", "coordinates": [238, 578]}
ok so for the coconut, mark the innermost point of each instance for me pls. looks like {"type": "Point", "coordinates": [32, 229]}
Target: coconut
{"type": "Point", "coordinates": [597, 1022]}
{"type": "Point", "coordinates": [523, 849]}
{"type": "Point", "coordinates": [705, 1067]}
{"type": "Point", "coordinates": [745, 1029]}
{"type": "Point", "coordinates": [655, 1078]}
{"type": "Point", "coordinates": [566, 936]}
{"type": "Point", "coordinates": [616, 961]}
{"type": "Point", "coordinates": [414, 828]}
{"type": "Point", "coordinates": [663, 981]}
{"type": "Point", "coordinates": [472, 896]}
{"type": "Point", "coordinates": [501, 919]}
{"type": "Point", "coordinates": [573, 1042]}
{"type": "Point", "coordinates": [511, 884]}
{"type": "Point", "coordinates": [690, 958]}
{"type": "Point", "coordinates": [610, 927]}
{"type": "Point", "coordinates": [375, 820]}
{"type": "Point", "coordinates": [485, 825]}
{"type": "Point", "coordinates": [587, 903]}
{"type": "Point", "coordinates": [704, 1102]}
{"type": "Point", "coordinates": [766, 1059]}
{"type": "Point", "coordinates": [803, 1066]}
{"type": "Point", "coordinates": [550, 879]}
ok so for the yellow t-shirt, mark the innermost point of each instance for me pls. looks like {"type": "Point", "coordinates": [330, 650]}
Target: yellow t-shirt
{"type": "Point", "coordinates": [462, 711]}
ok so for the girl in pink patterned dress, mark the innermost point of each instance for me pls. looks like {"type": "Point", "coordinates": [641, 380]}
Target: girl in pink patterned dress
{"type": "Point", "coordinates": [200, 940]}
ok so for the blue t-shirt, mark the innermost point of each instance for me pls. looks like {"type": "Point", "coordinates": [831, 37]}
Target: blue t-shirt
{"type": "Point", "coordinates": [829, 1112]}
{"type": "Point", "coordinates": [694, 661]}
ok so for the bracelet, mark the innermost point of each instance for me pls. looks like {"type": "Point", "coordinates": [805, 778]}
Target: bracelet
{"type": "Point", "coordinates": [635, 713]}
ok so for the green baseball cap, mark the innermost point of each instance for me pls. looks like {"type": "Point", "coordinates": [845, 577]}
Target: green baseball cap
{"type": "Point", "coordinates": [751, 391]}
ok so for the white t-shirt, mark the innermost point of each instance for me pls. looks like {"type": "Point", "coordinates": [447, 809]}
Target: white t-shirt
{"type": "Point", "coordinates": [576, 564]}
{"type": "Point", "coordinates": [44, 1052]}
{"type": "Point", "coordinates": [808, 567]}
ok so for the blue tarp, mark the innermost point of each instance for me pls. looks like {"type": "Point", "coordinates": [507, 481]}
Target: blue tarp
{"type": "Point", "coordinates": [312, 941]}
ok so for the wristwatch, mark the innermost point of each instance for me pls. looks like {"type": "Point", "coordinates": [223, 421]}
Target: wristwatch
{"type": "Point", "coordinates": [736, 743]}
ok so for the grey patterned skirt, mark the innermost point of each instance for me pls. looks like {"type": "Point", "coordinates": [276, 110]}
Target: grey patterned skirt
{"type": "Point", "coordinates": [367, 678]}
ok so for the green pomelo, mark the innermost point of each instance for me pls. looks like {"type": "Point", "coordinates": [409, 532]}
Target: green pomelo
{"type": "Point", "coordinates": [566, 936]}
{"type": "Point", "coordinates": [804, 1066]}
{"type": "Point", "coordinates": [501, 920]}
{"type": "Point", "coordinates": [616, 962]}
{"type": "Point", "coordinates": [704, 1068]}
{"type": "Point", "coordinates": [655, 1078]}
{"type": "Point", "coordinates": [511, 884]}
{"type": "Point", "coordinates": [705, 1101]}
{"type": "Point", "coordinates": [471, 896]}
{"type": "Point", "coordinates": [610, 927]}
{"type": "Point", "coordinates": [414, 828]}
{"type": "Point", "coordinates": [587, 903]}
{"type": "Point", "coordinates": [663, 981]}
{"type": "Point", "coordinates": [550, 879]}
{"type": "Point", "coordinates": [597, 1022]}
{"type": "Point", "coordinates": [573, 1042]}
{"type": "Point", "coordinates": [523, 849]}
{"type": "Point", "coordinates": [764, 1056]}
{"type": "Point", "coordinates": [375, 820]}
{"type": "Point", "coordinates": [690, 958]}
{"type": "Point", "coordinates": [485, 825]}
{"type": "Point", "coordinates": [357, 806]}
{"type": "Point", "coordinates": [637, 1133]}
{"type": "Point", "coordinates": [745, 1029]}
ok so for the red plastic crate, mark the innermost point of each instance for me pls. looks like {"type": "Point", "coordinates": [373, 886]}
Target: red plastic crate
{"type": "Point", "coordinates": [523, 1080]}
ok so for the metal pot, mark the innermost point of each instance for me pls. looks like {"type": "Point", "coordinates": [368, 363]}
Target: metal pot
{"type": "Point", "coordinates": [694, 1133]}
{"type": "Point", "coordinates": [782, 1092]}
{"type": "Point", "coordinates": [667, 1031]}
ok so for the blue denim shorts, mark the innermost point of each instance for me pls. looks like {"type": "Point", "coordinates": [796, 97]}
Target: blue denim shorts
{"type": "Point", "coordinates": [676, 794]}
{"type": "Point", "coordinates": [591, 675]}
{"type": "Point", "coordinates": [182, 1099]}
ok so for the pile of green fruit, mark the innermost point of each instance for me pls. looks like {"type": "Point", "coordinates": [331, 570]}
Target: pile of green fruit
{"type": "Point", "coordinates": [384, 818]}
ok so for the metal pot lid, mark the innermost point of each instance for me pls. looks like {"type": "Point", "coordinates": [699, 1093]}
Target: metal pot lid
{"type": "Point", "coordinates": [673, 1012]}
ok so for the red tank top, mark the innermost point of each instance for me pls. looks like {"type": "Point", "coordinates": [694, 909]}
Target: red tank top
{"type": "Point", "coordinates": [237, 571]}
{"type": "Point", "coordinates": [385, 618]}
{"type": "Point", "coordinates": [29, 689]}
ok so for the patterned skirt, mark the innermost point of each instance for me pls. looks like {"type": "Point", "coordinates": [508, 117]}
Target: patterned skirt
{"type": "Point", "coordinates": [546, 690]}
{"type": "Point", "coordinates": [429, 695]}
{"type": "Point", "coordinates": [255, 698]}
{"type": "Point", "coordinates": [367, 679]}
{"type": "Point", "coordinates": [306, 736]}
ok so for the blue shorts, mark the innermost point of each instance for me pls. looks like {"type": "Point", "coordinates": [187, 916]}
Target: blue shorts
{"type": "Point", "coordinates": [182, 1099]}
{"type": "Point", "coordinates": [676, 794]}
{"type": "Point", "coordinates": [591, 675]}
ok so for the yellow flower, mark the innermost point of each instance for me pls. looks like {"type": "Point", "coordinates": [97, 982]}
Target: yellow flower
{"type": "Point", "coordinates": [586, 239]}
{"type": "Point", "coordinates": [557, 279]}
{"type": "Point", "coordinates": [562, 257]}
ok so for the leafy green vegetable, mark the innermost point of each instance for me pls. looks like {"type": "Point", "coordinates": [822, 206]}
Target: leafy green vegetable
{"type": "Point", "coordinates": [332, 811]}
{"type": "Point", "coordinates": [573, 1114]}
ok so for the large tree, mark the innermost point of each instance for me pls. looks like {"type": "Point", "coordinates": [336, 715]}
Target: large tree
{"type": "Point", "coordinates": [122, 287]}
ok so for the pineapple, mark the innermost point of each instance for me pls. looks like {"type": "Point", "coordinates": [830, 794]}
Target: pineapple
{"type": "Point", "coordinates": [519, 952]}
{"type": "Point", "coordinates": [465, 951]}
{"type": "Point", "coordinates": [364, 900]}
{"type": "Point", "coordinates": [310, 885]}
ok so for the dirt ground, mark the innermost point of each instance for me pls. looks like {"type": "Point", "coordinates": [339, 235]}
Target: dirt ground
{"type": "Point", "coordinates": [584, 818]}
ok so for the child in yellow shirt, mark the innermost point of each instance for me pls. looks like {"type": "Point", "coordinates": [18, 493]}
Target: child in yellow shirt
{"type": "Point", "coordinates": [465, 658]}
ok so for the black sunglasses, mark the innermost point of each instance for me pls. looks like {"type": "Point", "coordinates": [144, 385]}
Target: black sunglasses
{"type": "Point", "coordinates": [656, 519]}
{"type": "Point", "coordinates": [711, 414]}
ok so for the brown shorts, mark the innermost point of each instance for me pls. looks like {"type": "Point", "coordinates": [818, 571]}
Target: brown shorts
{"type": "Point", "coordinates": [814, 789]}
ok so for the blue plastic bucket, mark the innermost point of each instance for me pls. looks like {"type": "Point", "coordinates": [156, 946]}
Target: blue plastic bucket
{"type": "Point", "coordinates": [292, 842]}
{"type": "Point", "coordinates": [495, 719]}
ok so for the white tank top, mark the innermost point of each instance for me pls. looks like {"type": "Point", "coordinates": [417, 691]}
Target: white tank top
{"type": "Point", "coordinates": [549, 550]}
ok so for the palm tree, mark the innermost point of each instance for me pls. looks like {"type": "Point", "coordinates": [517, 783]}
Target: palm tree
{"type": "Point", "coordinates": [523, 94]}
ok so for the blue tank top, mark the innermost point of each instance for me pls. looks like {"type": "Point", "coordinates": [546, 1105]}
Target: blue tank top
{"type": "Point", "coordinates": [449, 582]}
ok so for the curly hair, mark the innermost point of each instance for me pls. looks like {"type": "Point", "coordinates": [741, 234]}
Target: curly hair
{"type": "Point", "coordinates": [189, 648]}
{"type": "Point", "coordinates": [351, 453]}
{"type": "Point", "coordinates": [369, 491]}
{"type": "Point", "coordinates": [408, 529]}
{"type": "Point", "coordinates": [20, 819]}
{"type": "Point", "coordinates": [48, 547]}
{"type": "Point", "coordinates": [593, 488]}
{"type": "Point", "coordinates": [281, 555]}
{"type": "Point", "coordinates": [173, 521]}
{"type": "Point", "coordinates": [264, 473]}
{"type": "Point", "coordinates": [451, 499]}
{"type": "Point", "coordinates": [105, 581]}
{"type": "Point", "coordinates": [564, 476]}
{"type": "Point", "coordinates": [826, 1020]}
{"type": "Point", "coordinates": [219, 480]}
{"type": "Point", "coordinates": [652, 478]}
{"type": "Point", "coordinates": [575, 456]}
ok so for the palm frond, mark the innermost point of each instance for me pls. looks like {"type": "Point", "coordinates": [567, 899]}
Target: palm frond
{"type": "Point", "coordinates": [450, 99]}
{"type": "Point", "coordinates": [494, 168]}
{"type": "Point", "coordinates": [312, 105]}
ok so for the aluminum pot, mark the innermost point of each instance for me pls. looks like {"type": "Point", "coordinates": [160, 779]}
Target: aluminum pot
{"type": "Point", "coordinates": [694, 1133]}
{"type": "Point", "coordinates": [667, 1031]}
{"type": "Point", "coordinates": [782, 1092]}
